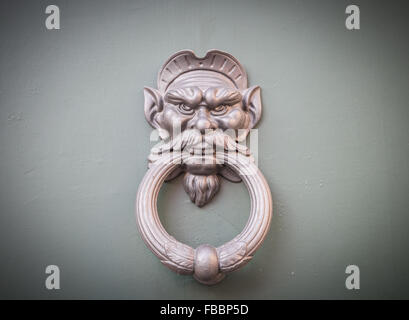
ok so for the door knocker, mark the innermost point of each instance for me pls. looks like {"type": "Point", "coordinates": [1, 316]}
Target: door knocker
{"type": "Point", "coordinates": [203, 110]}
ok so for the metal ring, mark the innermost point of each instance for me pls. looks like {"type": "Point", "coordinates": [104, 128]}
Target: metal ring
{"type": "Point", "coordinates": [208, 265]}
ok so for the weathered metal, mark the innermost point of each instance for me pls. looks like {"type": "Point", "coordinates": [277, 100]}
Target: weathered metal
{"type": "Point", "coordinates": [199, 103]}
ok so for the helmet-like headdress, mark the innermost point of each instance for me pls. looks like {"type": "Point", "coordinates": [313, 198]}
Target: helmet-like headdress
{"type": "Point", "coordinates": [215, 67]}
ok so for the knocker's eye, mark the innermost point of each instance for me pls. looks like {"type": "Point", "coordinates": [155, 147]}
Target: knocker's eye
{"type": "Point", "coordinates": [219, 110]}
{"type": "Point", "coordinates": [184, 109]}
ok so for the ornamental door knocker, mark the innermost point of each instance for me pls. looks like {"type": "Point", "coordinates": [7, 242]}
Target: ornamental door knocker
{"type": "Point", "coordinates": [203, 111]}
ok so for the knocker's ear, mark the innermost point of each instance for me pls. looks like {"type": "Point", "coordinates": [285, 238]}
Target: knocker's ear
{"type": "Point", "coordinates": [153, 105]}
{"type": "Point", "coordinates": [252, 103]}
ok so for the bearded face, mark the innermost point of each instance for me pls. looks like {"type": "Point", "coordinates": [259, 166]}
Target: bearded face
{"type": "Point", "coordinates": [196, 102]}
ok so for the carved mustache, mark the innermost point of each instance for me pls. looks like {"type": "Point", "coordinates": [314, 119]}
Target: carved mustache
{"type": "Point", "coordinates": [193, 142]}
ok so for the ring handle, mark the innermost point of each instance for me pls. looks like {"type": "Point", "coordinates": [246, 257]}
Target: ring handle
{"type": "Point", "coordinates": [208, 265]}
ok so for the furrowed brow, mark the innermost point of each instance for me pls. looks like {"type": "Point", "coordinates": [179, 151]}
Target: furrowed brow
{"type": "Point", "coordinates": [190, 96]}
{"type": "Point", "coordinates": [222, 96]}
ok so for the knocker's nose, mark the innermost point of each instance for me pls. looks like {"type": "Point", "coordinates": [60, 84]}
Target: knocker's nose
{"type": "Point", "coordinates": [202, 121]}
{"type": "Point", "coordinates": [203, 124]}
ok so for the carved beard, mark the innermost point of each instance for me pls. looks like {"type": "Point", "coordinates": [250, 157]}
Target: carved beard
{"type": "Point", "coordinates": [201, 188]}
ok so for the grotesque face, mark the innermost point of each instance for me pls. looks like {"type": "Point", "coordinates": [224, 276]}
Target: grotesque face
{"type": "Point", "coordinates": [202, 94]}
{"type": "Point", "coordinates": [203, 109]}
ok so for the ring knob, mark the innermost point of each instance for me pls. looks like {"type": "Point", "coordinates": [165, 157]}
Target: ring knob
{"type": "Point", "coordinates": [206, 265]}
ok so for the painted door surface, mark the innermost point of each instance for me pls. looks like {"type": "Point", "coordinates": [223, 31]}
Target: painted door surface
{"type": "Point", "coordinates": [332, 144]}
